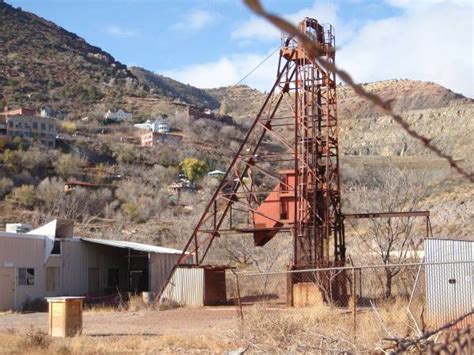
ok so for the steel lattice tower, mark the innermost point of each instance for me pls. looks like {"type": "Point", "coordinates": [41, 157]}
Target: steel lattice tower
{"type": "Point", "coordinates": [300, 114]}
{"type": "Point", "coordinates": [318, 195]}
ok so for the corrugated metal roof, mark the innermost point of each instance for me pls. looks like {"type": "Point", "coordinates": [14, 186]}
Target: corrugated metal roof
{"type": "Point", "coordinates": [147, 248]}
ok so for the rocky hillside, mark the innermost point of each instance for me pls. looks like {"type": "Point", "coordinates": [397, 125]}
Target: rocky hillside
{"type": "Point", "coordinates": [371, 141]}
{"type": "Point", "coordinates": [406, 95]}
{"type": "Point", "coordinates": [44, 64]}
{"type": "Point", "coordinates": [432, 109]}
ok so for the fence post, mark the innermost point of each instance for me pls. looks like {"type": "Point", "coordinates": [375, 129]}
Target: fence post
{"type": "Point", "coordinates": [241, 313]}
{"type": "Point", "coordinates": [354, 304]}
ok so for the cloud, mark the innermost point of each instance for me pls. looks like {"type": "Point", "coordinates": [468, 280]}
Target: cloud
{"type": "Point", "coordinates": [117, 31]}
{"type": "Point", "coordinates": [195, 20]}
{"type": "Point", "coordinates": [422, 3]}
{"type": "Point", "coordinates": [258, 29]}
{"type": "Point", "coordinates": [228, 70]}
{"type": "Point", "coordinates": [433, 43]}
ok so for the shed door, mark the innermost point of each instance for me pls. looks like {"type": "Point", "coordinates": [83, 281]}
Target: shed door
{"type": "Point", "coordinates": [94, 281]}
{"type": "Point", "coordinates": [7, 288]}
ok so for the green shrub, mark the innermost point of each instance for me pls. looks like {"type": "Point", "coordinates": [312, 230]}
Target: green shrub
{"type": "Point", "coordinates": [193, 168]}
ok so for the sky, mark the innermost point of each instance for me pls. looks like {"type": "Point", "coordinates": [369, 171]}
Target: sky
{"type": "Point", "coordinates": [213, 43]}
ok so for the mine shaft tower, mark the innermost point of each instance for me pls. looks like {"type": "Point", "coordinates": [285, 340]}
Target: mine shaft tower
{"type": "Point", "coordinates": [285, 175]}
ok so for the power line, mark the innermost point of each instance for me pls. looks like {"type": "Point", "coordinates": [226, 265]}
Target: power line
{"type": "Point", "coordinates": [258, 66]}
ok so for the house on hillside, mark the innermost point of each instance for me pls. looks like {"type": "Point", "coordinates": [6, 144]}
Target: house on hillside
{"type": "Point", "coordinates": [22, 111]}
{"type": "Point", "coordinates": [51, 261]}
{"type": "Point", "coordinates": [118, 116]}
{"type": "Point", "coordinates": [71, 185]}
{"type": "Point", "coordinates": [158, 126]}
{"type": "Point", "coordinates": [47, 112]}
{"type": "Point", "coordinates": [24, 123]}
{"type": "Point", "coordinates": [151, 139]}
{"type": "Point", "coordinates": [186, 111]}
{"type": "Point", "coordinates": [218, 174]}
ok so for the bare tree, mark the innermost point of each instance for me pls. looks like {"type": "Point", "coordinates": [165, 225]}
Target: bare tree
{"type": "Point", "coordinates": [392, 240]}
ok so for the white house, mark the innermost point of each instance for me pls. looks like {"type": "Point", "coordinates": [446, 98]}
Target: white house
{"type": "Point", "coordinates": [118, 116]}
{"type": "Point", "coordinates": [216, 174]}
{"type": "Point", "coordinates": [158, 126]}
{"type": "Point", "coordinates": [47, 112]}
{"type": "Point", "coordinates": [161, 126]}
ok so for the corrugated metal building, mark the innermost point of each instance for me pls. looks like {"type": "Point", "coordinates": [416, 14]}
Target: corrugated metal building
{"type": "Point", "coordinates": [196, 286]}
{"type": "Point", "coordinates": [49, 261]}
{"type": "Point", "coordinates": [450, 283]}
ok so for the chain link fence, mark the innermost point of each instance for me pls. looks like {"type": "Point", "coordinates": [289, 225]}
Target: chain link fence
{"type": "Point", "coordinates": [350, 308]}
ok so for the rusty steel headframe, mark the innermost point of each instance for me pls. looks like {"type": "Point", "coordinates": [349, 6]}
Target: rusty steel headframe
{"type": "Point", "coordinates": [305, 199]}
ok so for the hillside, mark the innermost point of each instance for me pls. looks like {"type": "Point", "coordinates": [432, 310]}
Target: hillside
{"type": "Point", "coordinates": [162, 86]}
{"type": "Point", "coordinates": [241, 102]}
{"type": "Point", "coordinates": [44, 64]}
{"type": "Point", "coordinates": [406, 95]}
{"type": "Point", "coordinates": [436, 111]}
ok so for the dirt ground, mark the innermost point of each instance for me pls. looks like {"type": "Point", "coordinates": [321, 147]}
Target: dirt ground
{"type": "Point", "coordinates": [203, 330]}
{"type": "Point", "coordinates": [180, 321]}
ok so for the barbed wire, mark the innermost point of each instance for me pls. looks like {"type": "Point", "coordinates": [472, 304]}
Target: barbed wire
{"type": "Point", "coordinates": [316, 51]}
{"type": "Point", "coordinates": [403, 345]}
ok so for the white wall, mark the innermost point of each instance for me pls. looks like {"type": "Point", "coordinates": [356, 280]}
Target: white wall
{"type": "Point", "coordinates": [24, 252]}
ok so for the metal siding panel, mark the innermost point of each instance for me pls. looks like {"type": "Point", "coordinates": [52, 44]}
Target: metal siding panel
{"type": "Point", "coordinates": [160, 267]}
{"type": "Point", "coordinates": [449, 287]}
{"type": "Point", "coordinates": [186, 287]}
{"type": "Point", "coordinates": [80, 257]}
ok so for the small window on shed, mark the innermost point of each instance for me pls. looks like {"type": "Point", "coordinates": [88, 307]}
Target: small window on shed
{"type": "Point", "coordinates": [56, 248]}
{"type": "Point", "coordinates": [26, 276]}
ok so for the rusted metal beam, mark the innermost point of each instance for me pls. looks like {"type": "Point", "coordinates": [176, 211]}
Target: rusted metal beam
{"type": "Point", "coordinates": [387, 214]}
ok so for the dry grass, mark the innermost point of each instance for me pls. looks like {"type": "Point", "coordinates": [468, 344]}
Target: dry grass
{"type": "Point", "coordinates": [102, 309]}
{"type": "Point", "coordinates": [267, 328]}
{"type": "Point", "coordinates": [134, 304]}
{"type": "Point", "coordinates": [322, 328]}
{"type": "Point", "coordinates": [37, 342]}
